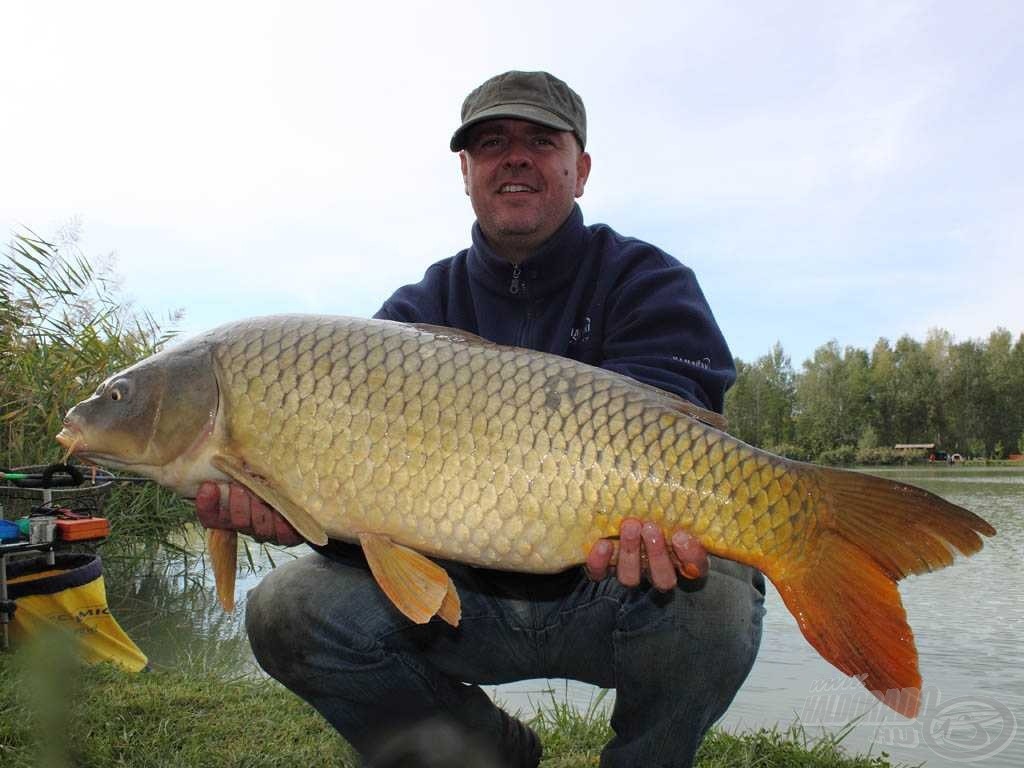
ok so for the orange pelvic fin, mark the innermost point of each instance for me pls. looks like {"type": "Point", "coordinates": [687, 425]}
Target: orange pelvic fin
{"type": "Point", "coordinates": [843, 593]}
{"type": "Point", "coordinates": [223, 548]}
{"type": "Point", "coordinates": [418, 587]}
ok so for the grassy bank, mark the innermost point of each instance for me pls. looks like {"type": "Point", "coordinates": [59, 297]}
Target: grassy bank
{"type": "Point", "coordinates": [57, 715]}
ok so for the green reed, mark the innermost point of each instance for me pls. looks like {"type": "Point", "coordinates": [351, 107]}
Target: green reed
{"type": "Point", "coordinates": [64, 328]}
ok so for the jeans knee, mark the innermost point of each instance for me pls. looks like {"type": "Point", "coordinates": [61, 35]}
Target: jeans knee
{"type": "Point", "coordinates": [314, 613]}
{"type": "Point", "coordinates": [273, 621]}
{"type": "Point", "coordinates": [719, 616]}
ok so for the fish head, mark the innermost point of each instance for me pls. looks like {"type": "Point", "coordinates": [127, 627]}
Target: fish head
{"type": "Point", "coordinates": [147, 416]}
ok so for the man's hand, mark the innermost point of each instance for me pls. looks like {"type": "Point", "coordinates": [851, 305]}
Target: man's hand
{"type": "Point", "coordinates": [642, 550]}
{"type": "Point", "coordinates": [232, 507]}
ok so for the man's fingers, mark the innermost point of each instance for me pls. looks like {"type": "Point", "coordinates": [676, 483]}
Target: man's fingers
{"type": "Point", "coordinates": [262, 519]}
{"type": "Point", "coordinates": [598, 559]}
{"type": "Point", "coordinates": [660, 569]}
{"type": "Point", "coordinates": [692, 557]}
{"type": "Point", "coordinates": [630, 544]}
{"type": "Point", "coordinates": [240, 509]}
{"type": "Point", "coordinates": [284, 534]}
{"type": "Point", "coordinates": [208, 505]}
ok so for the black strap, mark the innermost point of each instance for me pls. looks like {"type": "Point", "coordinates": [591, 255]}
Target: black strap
{"type": "Point", "coordinates": [54, 476]}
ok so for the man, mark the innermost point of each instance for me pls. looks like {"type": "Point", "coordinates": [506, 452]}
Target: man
{"type": "Point", "coordinates": [535, 276]}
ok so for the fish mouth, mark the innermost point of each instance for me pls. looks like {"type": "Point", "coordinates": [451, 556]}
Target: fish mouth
{"type": "Point", "coordinates": [73, 441]}
{"type": "Point", "coordinates": [71, 438]}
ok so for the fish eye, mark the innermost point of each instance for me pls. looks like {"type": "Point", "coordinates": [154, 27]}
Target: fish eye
{"type": "Point", "coordinates": [119, 390]}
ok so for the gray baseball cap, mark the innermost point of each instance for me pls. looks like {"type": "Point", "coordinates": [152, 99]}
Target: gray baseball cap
{"type": "Point", "coordinates": [534, 96]}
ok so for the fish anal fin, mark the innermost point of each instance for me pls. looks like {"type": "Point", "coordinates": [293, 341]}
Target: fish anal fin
{"type": "Point", "coordinates": [300, 519]}
{"type": "Point", "coordinates": [223, 548]}
{"type": "Point", "coordinates": [417, 586]}
{"type": "Point", "coordinates": [850, 610]}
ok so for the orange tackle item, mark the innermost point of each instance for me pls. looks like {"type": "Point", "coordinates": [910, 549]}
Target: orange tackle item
{"type": "Point", "coordinates": [82, 528]}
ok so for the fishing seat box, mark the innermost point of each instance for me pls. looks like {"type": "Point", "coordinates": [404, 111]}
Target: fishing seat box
{"type": "Point", "coordinates": [83, 528]}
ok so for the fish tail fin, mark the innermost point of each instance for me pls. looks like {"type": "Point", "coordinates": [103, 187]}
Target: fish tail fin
{"type": "Point", "coordinates": [843, 593]}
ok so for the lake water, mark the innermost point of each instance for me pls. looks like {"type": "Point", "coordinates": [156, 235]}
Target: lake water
{"type": "Point", "coordinates": [968, 622]}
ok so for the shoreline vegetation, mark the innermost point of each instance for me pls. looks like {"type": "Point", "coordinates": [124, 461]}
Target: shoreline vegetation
{"type": "Point", "coordinates": [58, 714]}
{"type": "Point", "coordinates": [64, 327]}
{"type": "Point", "coordinates": [850, 407]}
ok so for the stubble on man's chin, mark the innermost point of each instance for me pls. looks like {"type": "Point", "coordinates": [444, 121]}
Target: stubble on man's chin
{"type": "Point", "coordinates": [512, 233]}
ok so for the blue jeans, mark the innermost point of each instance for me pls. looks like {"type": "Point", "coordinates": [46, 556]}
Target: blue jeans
{"type": "Point", "coordinates": [324, 629]}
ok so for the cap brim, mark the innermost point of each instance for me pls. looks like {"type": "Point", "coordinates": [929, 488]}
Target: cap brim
{"type": "Point", "coordinates": [526, 112]}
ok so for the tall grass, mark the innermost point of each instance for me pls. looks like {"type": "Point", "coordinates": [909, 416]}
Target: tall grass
{"type": "Point", "coordinates": [64, 328]}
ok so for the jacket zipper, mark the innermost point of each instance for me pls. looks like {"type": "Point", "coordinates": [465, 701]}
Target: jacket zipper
{"type": "Point", "coordinates": [514, 287]}
{"type": "Point", "coordinates": [518, 287]}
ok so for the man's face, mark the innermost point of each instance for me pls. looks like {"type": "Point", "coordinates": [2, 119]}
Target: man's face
{"type": "Point", "coordinates": [522, 179]}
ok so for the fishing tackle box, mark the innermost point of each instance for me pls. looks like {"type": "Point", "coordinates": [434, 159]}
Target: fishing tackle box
{"type": "Point", "coordinates": [80, 528]}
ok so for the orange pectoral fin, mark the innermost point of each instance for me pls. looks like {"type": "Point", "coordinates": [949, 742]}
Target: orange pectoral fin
{"type": "Point", "coordinates": [418, 587]}
{"type": "Point", "coordinates": [223, 548]}
{"type": "Point", "coordinates": [301, 521]}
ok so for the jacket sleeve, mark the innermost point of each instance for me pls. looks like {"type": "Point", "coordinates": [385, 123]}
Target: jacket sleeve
{"type": "Point", "coordinates": [660, 330]}
{"type": "Point", "coordinates": [421, 302]}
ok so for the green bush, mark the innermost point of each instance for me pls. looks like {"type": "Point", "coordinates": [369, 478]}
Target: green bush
{"type": "Point", "coordinates": [842, 455]}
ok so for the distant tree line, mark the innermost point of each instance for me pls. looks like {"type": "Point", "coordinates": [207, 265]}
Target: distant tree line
{"type": "Point", "coordinates": [850, 406]}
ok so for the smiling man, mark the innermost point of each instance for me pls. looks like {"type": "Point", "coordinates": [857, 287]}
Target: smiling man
{"type": "Point", "coordinates": [521, 202]}
{"type": "Point", "coordinates": [535, 276]}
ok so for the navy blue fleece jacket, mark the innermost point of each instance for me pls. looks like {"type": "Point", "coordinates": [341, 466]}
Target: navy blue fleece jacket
{"type": "Point", "coordinates": [589, 294]}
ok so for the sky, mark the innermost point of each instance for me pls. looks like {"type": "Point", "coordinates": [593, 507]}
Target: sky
{"type": "Point", "coordinates": [831, 170]}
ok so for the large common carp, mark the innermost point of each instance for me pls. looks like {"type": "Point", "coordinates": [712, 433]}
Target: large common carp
{"type": "Point", "coordinates": [420, 440]}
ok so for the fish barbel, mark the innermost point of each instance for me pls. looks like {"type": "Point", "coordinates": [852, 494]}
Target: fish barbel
{"type": "Point", "coordinates": [419, 440]}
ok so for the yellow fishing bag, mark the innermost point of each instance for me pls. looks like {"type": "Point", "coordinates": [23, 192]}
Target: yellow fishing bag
{"type": "Point", "coordinates": [69, 594]}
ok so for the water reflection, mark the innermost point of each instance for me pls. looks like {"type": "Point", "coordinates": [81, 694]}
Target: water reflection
{"type": "Point", "coordinates": [968, 622]}
{"type": "Point", "coordinates": [167, 603]}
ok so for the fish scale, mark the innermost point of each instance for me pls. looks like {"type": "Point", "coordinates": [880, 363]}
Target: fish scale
{"type": "Point", "coordinates": [570, 449]}
{"type": "Point", "coordinates": [419, 439]}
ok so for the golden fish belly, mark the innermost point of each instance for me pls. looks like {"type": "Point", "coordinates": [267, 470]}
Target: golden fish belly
{"type": "Point", "coordinates": [492, 455]}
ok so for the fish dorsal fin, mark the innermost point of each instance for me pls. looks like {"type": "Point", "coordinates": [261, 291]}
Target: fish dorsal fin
{"type": "Point", "coordinates": [675, 402]}
{"type": "Point", "coordinates": [300, 519]}
{"type": "Point", "coordinates": [418, 587]}
{"type": "Point", "coordinates": [453, 334]}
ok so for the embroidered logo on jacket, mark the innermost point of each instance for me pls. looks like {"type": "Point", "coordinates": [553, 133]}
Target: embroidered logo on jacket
{"type": "Point", "coordinates": [580, 334]}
